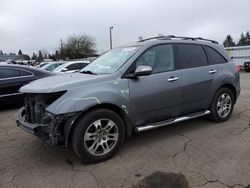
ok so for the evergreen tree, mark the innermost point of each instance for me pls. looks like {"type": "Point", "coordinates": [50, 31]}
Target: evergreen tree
{"type": "Point", "coordinates": [247, 38]}
{"type": "Point", "coordinates": [40, 56]}
{"type": "Point", "coordinates": [242, 41]}
{"type": "Point", "coordinates": [228, 41]}
{"type": "Point", "coordinates": [34, 56]}
{"type": "Point", "coordinates": [57, 55]}
{"type": "Point", "coordinates": [20, 52]}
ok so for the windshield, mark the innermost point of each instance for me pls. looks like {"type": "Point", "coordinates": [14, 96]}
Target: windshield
{"type": "Point", "coordinates": [111, 61]}
{"type": "Point", "coordinates": [52, 66]}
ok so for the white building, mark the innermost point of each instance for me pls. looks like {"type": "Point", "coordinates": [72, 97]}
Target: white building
{"type": "Point", "coordinates": [239, 54]}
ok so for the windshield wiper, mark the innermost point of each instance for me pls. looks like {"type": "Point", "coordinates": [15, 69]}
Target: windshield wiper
{"type": "Point", "coordinates": [88, 72]}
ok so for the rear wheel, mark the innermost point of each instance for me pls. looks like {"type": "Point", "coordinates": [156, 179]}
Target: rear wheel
{"type": "Point", "coordinates": [222, 105]}
{"type": "Point", "coordinates": [98, 136]}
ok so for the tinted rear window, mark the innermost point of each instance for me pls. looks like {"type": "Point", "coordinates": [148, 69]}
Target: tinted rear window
{"type": "Point", "coordinates": [191, 56]}
{"type": "Point", "coordinates": [214, 57]}
{"type": "Point", "coordinates": [9, 73]}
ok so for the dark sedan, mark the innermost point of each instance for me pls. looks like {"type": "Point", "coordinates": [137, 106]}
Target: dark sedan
{"type": "Point", "coordinates": [247, 66]}
{"type": "Point", "coordinates": [12, 77]}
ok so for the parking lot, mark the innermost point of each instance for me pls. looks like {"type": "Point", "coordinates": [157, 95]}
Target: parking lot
{"type": "Point", "coordinates": [196, 153]}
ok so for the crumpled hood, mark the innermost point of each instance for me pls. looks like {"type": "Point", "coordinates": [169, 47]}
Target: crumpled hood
{"type": "Point", "coordinates": [58, 83]}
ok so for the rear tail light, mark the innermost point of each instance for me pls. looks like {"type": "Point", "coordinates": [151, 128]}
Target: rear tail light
{"type": "Point", "coordinates": [237, 68]}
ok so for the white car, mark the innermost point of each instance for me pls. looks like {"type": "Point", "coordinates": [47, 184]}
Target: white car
{"type": "Point", "coordinates": [71, 67]}
{"type": "Point", "coordinates": [53, 65]}
{"type": "Point", "coordinates": [42, 64]}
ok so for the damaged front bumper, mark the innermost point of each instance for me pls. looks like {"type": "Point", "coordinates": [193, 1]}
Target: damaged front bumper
{"type": "Point", "coordinates": [48, 132]}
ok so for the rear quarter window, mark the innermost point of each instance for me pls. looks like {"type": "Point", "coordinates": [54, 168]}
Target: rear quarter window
{"type": "Point", "coordinates": [26, 73]}
{"type": "Point", "coordinates": [214, 57]}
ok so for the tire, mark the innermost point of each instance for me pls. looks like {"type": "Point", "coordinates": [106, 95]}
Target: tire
{"type": "Point", "coordinates": [218, 104]}
{"type": "Point", "coordinates": [91, 142]}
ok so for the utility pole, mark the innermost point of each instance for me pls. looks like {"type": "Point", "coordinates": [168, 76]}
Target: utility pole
{"type": "Point", "coordinates": [110, 36]}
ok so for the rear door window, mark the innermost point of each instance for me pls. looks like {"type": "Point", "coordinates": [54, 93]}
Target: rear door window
{"type": "Point", "coordinates": [9, 73]}
{"type": "Point", "coordinates": [191, 56]}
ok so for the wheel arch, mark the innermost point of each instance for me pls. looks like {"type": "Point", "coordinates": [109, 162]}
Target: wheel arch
{"type": "Point", "coordinates": [229, 86]}
{"type": "Point", "coordinates": [70, 124]}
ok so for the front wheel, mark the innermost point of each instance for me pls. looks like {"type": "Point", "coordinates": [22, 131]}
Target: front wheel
{"type": "Point", "coordinates": [98, 135]}
{"type": "Point", "coordinates": [222, 105]}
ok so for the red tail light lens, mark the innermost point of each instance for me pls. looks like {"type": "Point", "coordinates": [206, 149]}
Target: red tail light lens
{"type": "Point", "coordinates": [237, 68]}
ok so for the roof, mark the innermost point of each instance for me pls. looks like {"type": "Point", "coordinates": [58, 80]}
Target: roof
{"type": "Point", "coordinates": [176, 39]}
{"type": "Point", "coordinates": [29, 68]}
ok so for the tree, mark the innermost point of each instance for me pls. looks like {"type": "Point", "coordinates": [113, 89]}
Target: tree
{"type": "Point", "coordinates": [40, 56]}
{"type": "Point", "coordinates": [247, 38]}
{"type": "Point", "coordinates": [20, 52]}
{"type": "Point", "coordinates": [78, 46]}
{"type": "Point", "coordinates": [242, 41]}
{"type": "Point", "coordinates": [228, 41]}
{"type": "Point", "coordinates": [26, 57]}
{"type": "Point", "coordinates": [34, 56]}
{"type": "Point", "coordinates": [57, 55]}
{"type": "Point", "coordinates": [45, 56]}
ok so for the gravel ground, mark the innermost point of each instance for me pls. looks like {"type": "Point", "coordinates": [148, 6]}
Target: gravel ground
{"type": "Point", "coordinates": [196, 153]}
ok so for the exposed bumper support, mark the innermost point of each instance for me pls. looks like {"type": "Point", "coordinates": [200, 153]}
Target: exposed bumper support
{"type": "Point", "coordinates": [28, 127]}
{"type": "Point", "coordinates": [49, 132]}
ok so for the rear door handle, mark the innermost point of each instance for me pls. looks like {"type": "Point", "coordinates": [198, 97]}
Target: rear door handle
{"type": "Point", "coordinates": [212, 71]}
{"type": "Point", "coordinates": [172, 79]}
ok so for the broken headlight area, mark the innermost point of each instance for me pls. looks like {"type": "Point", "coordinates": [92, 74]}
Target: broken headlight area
{"type": "Point", "coordinates": [35, 105]}
{"type": "Point", "coordinates": [50, 128]}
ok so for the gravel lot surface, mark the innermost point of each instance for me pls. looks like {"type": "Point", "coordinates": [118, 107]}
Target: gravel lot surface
{"type": "Point", "coordinates": [196, 153]}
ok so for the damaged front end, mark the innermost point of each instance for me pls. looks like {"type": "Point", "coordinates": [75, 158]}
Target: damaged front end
{"type": "Point", "coordinates": [34, 118]}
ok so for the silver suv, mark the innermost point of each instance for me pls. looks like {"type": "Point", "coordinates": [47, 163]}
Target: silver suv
{"type": "Point", "coordinates": [133, 88]}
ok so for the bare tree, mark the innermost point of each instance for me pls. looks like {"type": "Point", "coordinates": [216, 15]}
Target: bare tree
{"type": "Point", "coordinates": [77, 46]}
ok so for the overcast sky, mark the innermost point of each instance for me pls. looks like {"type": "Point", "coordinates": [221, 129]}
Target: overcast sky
{"type": "Point", "coordinates": [33, 25]}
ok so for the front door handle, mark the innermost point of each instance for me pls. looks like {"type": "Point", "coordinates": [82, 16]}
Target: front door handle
{"type": "Point", "coordinates": [212, 71]}
{"type": "Point", "coordinates": [172, 79]}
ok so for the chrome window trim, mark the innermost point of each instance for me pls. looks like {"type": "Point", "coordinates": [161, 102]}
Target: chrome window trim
{"type": "Point", "coordinates": [19, 77]}
{"type": "Point", "coordinates": [12, 94]}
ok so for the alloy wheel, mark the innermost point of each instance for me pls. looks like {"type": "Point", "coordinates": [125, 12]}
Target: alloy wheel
{"type": "Point", "coordinates": [101, 137]}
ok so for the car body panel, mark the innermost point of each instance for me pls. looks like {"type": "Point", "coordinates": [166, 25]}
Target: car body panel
{"type": "Point", "coordinates": [159, 101]}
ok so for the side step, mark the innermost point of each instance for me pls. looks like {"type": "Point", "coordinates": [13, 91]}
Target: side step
{"type": "Point", "coordinates": [164, 123]}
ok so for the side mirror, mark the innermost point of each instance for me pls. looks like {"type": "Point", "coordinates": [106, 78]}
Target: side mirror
{"type": "Point", "coordinates": [143, 71]}
{"type": "Point", "coordinates": [64, 69]}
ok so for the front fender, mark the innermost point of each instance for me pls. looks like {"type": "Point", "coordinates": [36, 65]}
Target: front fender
{"type": "Point", "coordinates": [80, 99]}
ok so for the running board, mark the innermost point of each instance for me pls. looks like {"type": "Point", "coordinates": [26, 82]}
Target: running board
{"type": "Point", "coordinates": [164, 123]}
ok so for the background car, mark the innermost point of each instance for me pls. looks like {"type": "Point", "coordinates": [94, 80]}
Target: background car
{"type": "Point", "coordinates": [71, 67]}
{"type": "Point", "coordinates": [247, 66]}
{"type": "Point", "coordinates": [42, 64]}
{"type": "Point", "coordinates": [12, 77]}
{"type": "Point", "coordinates": [52, 66]}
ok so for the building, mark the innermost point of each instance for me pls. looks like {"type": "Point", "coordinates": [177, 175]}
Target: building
{"type": "Point", "coordinates": [9, 57]}
{"type": "Point", "coordinates": [239, 54]}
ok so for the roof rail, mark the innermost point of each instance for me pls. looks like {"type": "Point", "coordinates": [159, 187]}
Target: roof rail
{"type": "Point", "coordinates": [169, 37]}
